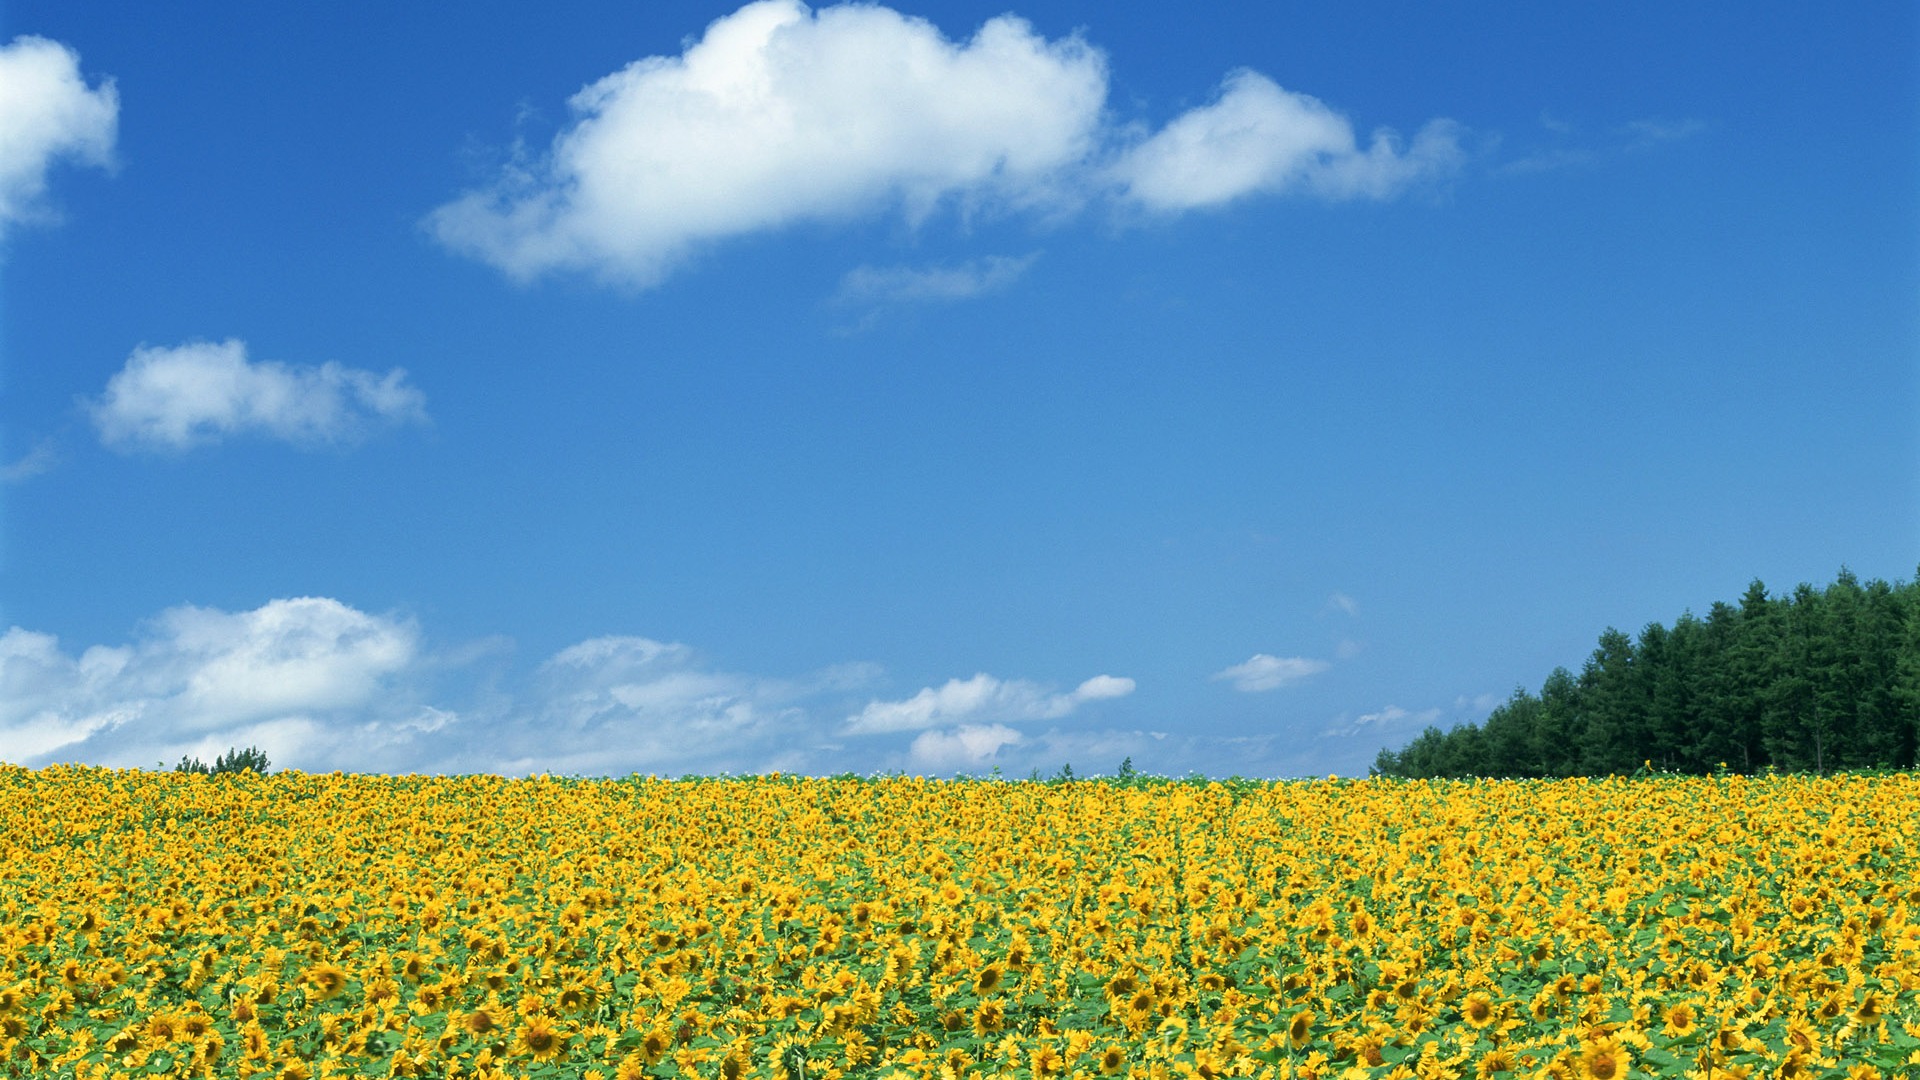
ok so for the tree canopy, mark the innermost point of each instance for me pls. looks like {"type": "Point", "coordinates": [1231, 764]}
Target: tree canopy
{"type": "Point", "coordinates": [1810, 681]}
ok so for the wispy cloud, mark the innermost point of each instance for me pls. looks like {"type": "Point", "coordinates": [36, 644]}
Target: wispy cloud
{"type": "Point", "coordinates": [981, 698]}
{"type": "Point", "coordinates": [48, 113]}
{"type": "Point", "coordinates": [1569, 149]}
{"type": "Point", "coordinates": [916, 284]}
{"type": "Point", "coordinates": [1385, 724]}
{"type": "Point", "coordinates": [189, 395]}
{"type": "Point", "coordinates": [40, 459]}
{"type": "Point", "coordinates": [780, 114]}
{"type": "Point", "coordinates": [1263, 672]}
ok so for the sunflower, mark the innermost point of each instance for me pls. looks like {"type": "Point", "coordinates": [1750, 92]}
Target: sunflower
{"type": "Point", "coordinates": [1045, 1062]}
{"type": "Point", "coordinates": [631, 1067]}
{"type": "Point", "coordinates": [1495, 1061]}
{"type": "Point", "coordinates": [574, 997]}
{"type": "Point", "coordinates": [1112, 1058]}
{"type": "Point", "coordinates": [1300, 1029]}
{"type": "Point", "coordinates": [539, 1038]}
{"type": "Point", "coordinates": [481, 1020]}
{"type": "Point", "coordinates": [1602, 1059]}
{"type": "Point", "coordinates": [989, 979]}
{"type": "Point", "coordinates": [163, 1027]}
{"type": "Point", "coordinates": [1681, 1021]}
{"type": "Point", "coordinates": [327, 980]}
{"type": "Point", "coordinates": [1478, 1010]}
{"type": "Point", "coordinates": [988, 1018]}
{"type": "Point", "coordinates": [653, 1046]}
{"type": "Point", "coordinates": [1368, 1050]}
{"type": "Point", "coordinates": [414, 966]}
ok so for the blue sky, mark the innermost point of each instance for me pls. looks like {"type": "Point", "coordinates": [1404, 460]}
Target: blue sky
{"type": "Point", "coordinates": [612, 387]}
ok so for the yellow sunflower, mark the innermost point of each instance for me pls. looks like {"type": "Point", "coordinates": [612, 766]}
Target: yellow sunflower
{"type": "Point", "coordinates": [327, 980]}
{"type": "Point", "coordinates": [1601, 1059]}
{"type": "Point", "coordinates": [1681, 1021]}
{"type": "Point", "coordinates": [1300, 1029]}
{"type": "Point", "coordinates": [539, 1038]}
{"type": "Point", "coordinates": [989, 979]}
{"type": "Point", "coordinates": [1479, 1011]}
{"type": "Point", "coordinates": [988, 1018]}
{"type": "Point", "coordinates": [1494, 1062]}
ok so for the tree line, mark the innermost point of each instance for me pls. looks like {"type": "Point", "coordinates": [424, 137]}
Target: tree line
{"type": "Point", "coordinates": [1811, 681]}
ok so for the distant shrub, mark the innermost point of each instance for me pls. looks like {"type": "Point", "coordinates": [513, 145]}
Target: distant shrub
{"type": "Point", "coordinates": [252, 759]}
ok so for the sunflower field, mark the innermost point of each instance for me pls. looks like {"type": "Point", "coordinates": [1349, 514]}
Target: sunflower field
{"type": "Point", "coordinates": [303, 926]}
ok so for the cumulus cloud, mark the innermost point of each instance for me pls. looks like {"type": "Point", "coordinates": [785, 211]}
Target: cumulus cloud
{"type": "Point", "coordinates": [199, 680]}
{"type": "Point", "coordinates": [1263, 672]}
{"type": "Point", "coordinates": [48, 113]}
{"type": "Point", "coordinates": [318, 684]}
{"type": "Point", "coordinates": [1259, 138]}
{"type": "Point", "coordinates": [964, 746]}
{"type": "Point", "coordinates": [909, 284]}
{"type": "Point", "coordinates": [981, 698]}
{"type": "Point", "coordinates": [628, 704]}
{"type": "Point", "coordinates": [779, 114]}
{"type": "Point", "coordinates": [188, 395]}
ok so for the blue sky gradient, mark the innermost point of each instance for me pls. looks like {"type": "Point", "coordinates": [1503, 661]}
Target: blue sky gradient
{"type": "Point", "coordinates": [1083, 399]}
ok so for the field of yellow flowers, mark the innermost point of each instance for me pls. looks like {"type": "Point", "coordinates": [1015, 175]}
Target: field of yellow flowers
{"type": "Point", "coordinates": [299, 925]}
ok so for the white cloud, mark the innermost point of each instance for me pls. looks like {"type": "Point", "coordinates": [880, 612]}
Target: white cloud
{"type": "Point", "coordinates": [981, 698]}
{"type": "Point", "coordinates": [47, 113]}
{"type": "Point", "coordinates": [188, 395]}
{"type": "Point", "coordinates": [1643, 134]}
{"type": "Point", "coordinates": [907, 284]}
{"type": "Point", "coordinates": [320, 685]}
{"type": "Point", "coordinates": [1257, 137]}
{"type": "Point", "coordinates": [1382, 724]}
{"type": "Point", "coordinates": [1263, 672]}
{"type": "Point", "coordinates": [779, 114]}
{"type": "Point", "coordinates": [1572, 150]}
{"type": "Point", "coordinates": [40, 459]}
{"type": "Point", "coordinates": [199, 678]}
{"type": "Point", "coordinates": [627, 704]}
{"type": "Point", "coordinates": [968, 745]}
{"type": "Point", "coordinates": [1342, 602]}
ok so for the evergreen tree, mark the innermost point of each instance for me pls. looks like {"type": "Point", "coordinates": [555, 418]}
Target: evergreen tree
{"type": "Point", "coordinates": [1817, 680]}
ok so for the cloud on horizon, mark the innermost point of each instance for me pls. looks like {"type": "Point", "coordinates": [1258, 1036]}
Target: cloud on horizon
{"type": "Point", "coordinates": [174, 399]}
{"type": "Point", "coordinates": [980, 699]}
{"type": "Point", "coordinates": [48, 114]}
{"type": "Point", "coordinates": [779, 114]}
{"type": "Point", "coordinates": [320, 685]}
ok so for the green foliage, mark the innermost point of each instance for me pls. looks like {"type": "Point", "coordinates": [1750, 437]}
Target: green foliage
{"type": "Point", "coordinates": [252, 759]}
{"type": "Point", "coordinates": [1812, 681]}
